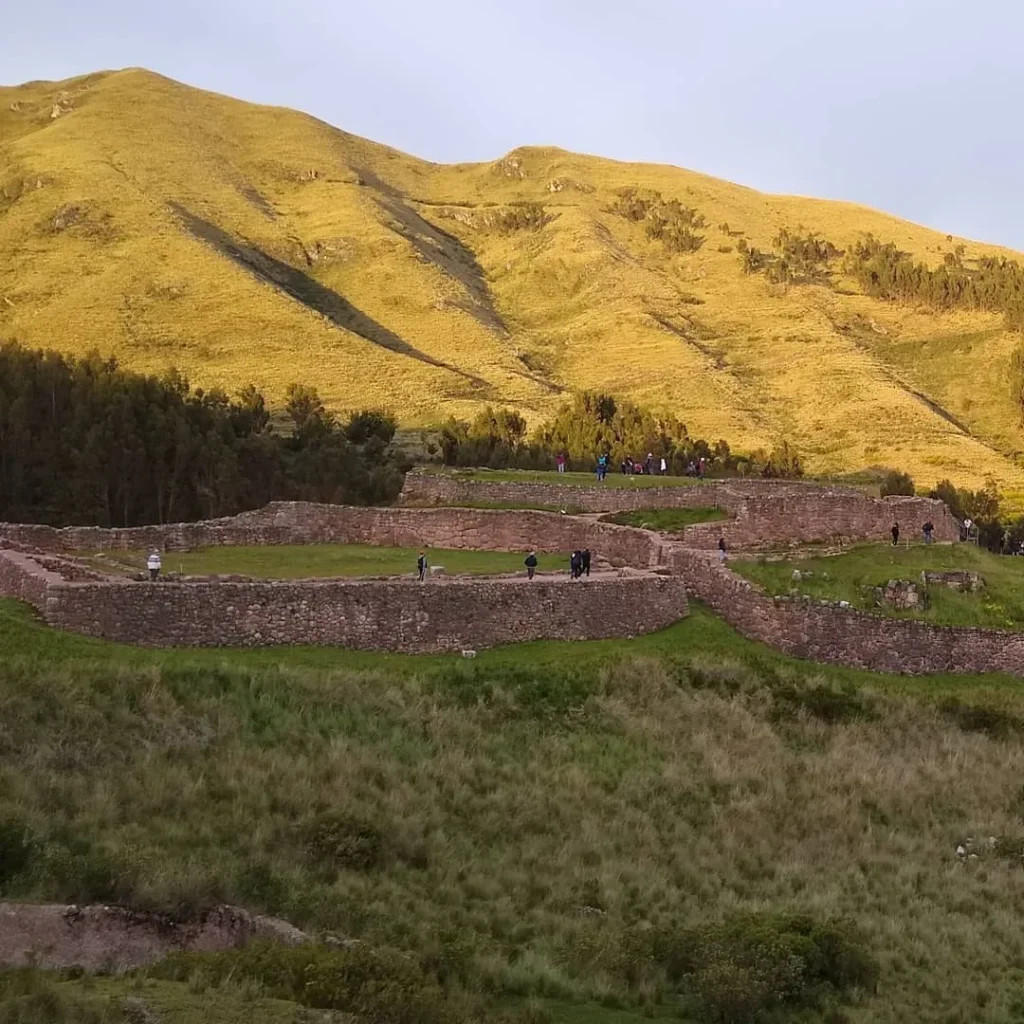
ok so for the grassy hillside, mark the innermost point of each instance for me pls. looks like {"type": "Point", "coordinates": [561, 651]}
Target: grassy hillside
{"type": "Point", "coordinates": [242, 243]}
{"type": "Point", "coordinates": [555, 822]}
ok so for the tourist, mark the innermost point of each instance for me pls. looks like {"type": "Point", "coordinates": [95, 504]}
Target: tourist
{"type": "Point", "coordinates": [574, 565]}
{"type": "Point", "coordinates": [421, 567]}
{"type": "Point", "coordinates": [531, 564]}
{"type": "Point", "coordinates": [927, 530]}
{"type": "Point", "coordinates": [153, 563]}
{"type": "Point", "coordinates": [664, 466]}
{"type": "Point", "coordinates": [585, 562]}
{"type": "Point", "coordinates": [721, 550]}
{"type": "Point", "coordinates": [895, 534]}
{"type": "Point", "coordinates": [560, 462]}
{"type": "Point", "coordinates": [649, 464]}
{"type": "Point", "coordinates": [702, 467]}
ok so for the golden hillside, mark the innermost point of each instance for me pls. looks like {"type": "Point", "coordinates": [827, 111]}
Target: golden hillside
{"type": "Point", "coordinates": [174, 227]}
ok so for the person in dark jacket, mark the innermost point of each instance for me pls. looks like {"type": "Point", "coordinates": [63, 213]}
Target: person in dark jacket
{"type": "Point", "coordinates": [721, 549]}
{"type": "Point", "coordinates": [531, 565]}
{"type": "Point", "coordinates": [585, 562]}
{"type": "Point", "coordinates": [574, 565]}
{"type": "Point", "coordinates": [895, 531]}
{"type": "Point", "coordinates": [421, 566]}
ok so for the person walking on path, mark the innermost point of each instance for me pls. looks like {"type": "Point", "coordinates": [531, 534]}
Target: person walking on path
{"type": "Point", "coordinates": [721, 550]}
{"type": "Point", "coordinates": [421, 567]}
{"type": "Point", "coordinates": [153, 564]}
{"type": "Point", "coordinates": [585, 562]}
{"type": "Point", "coordinates": [895, 534]}
{"type": "Point", "coordinates": [574, 565]}
{"type": "Point", "coordinates": [531, 564]}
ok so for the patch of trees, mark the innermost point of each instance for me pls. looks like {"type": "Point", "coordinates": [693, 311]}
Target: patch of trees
{"type": "Point", "coordinates": [85, 442]}
{"type": "Point", "coordinates": [592, 424]}
{"type": "Point", "coordinates": [799, 259]}
{"type": "Point", "coordinates": [994, 284]}
{"type": "Point", "coordinates": [665, 220]}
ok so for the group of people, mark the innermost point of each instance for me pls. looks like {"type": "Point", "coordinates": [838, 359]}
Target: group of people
{"type": "Point", "coordinates": [579, 564]}
{"type": "Point", "coordinates": [629, 466]}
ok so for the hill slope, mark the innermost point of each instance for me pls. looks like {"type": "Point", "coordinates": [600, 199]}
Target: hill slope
{"type": "Point", "coordinates": [171, 226]}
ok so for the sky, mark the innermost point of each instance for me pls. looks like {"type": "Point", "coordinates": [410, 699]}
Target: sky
{"type": "Point", "coordinates": [909, 106]}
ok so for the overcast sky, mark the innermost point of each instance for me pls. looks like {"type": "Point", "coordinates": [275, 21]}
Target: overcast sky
{"type": "Point", "coordinates": [912, 106]}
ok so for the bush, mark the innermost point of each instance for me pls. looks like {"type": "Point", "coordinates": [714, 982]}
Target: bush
{"type": "Point", "coordinates": [16, 846]}
{"type": "Point", "coordinates": [339, 841]}
{"type": "Point", "coordinates": [753, 963]}
{"type": "Point", "coordinates": [896, 482]}
{"type": "Point", "coordinates": [382, 986]}
{"type": "Point", "coordinates": [992, 722]}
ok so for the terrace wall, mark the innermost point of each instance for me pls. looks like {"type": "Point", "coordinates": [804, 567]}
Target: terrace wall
{"type": "Point", "coordinates": [386, 615]}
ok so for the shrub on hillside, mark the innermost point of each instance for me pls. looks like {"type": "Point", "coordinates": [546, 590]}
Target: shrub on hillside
{"type": "Point", "coordinates": [896, 482]}
{"type": "Point", "coordinates": [16, 846]}
{"type": "Point", "coordinates": [752, 964]}
{"type": "Point", "coordinates": [338, 841]}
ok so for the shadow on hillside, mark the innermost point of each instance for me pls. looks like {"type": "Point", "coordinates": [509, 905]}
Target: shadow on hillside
{"type": "Point", "coordinates": [307, 290]}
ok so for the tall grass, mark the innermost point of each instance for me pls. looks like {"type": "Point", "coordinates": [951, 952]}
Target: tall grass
{"type": "Point", "coordinates": [535, 813]}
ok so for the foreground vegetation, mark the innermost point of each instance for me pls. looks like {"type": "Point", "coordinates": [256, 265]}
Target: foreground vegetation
{"type": "Point", "coordinates": [854, 576]}
{"type": "Point", "coordinates": [299, 561]}
{"type": "Point", "coordinates": [686, 825]}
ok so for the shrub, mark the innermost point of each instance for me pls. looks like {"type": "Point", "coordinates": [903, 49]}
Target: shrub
{"type": "Point", "coordinates": [16, 846]}
{"type": "Point", "coordinates": [340, 841]}
{"type": "Point", "coordinates": [753, 963]}
{"type": "Point", "coordinates": [826, 703]}
{"type": "Point", "coordinates": [896, 482]}
{"type": "Point", "coordinates": [993, 722]}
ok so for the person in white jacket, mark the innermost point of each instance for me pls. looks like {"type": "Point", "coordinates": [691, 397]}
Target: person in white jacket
{"type": "Point", "coordinates": [153, 563]}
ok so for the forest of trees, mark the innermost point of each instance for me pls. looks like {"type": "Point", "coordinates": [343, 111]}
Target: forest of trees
{"type": "Point", "coordinates": [995, 284]}
{"type": "Point", "coordinates": [592, 424]}
{"type": "Point", "coordinates": [85, 442]}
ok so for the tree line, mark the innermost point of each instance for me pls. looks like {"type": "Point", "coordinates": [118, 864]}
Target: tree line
{"type": "Point", "coordinates": [593, 424]}
{"type": "Point", "coordinates": [84, 442]}
{"type": "Point", "coordinates": [665, 220]}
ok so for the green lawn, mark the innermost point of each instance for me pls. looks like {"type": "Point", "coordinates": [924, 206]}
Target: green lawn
{"type": "Point", "coordinates": [530, 476]}
{"type": "Point", "coordinates": [853, 575]}
{"type": "Point", "coordinates": [666, 520]}
{"type": "Point", "coordinates": [305, 561]}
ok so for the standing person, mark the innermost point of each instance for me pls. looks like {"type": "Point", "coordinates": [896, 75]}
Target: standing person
{"type": "Point", "coordinates": [560, 462]}
{"type": "Point", "coordinates": [153, 564]}
{"type": "Point", "coordinates": [574, 565]}
{"type": "Point", "coordinates": [649, 464]}
{"type": "Point", "coordinates": [585, 562]}
{"type": "Point", "coordinates": [664, 466]}
{"type": "Point", "coordinates": [721, 550]}
{"type": "Point", "coordinates": [895, 531]}
{"type": "Point", "coordinates": [531, 564]}
{"type": "Point", "coordinates": [421, 567]}
{"type": "Point", "coordinates": [927, 530]}
{"type": "Point", "coordinates": [702, 467]}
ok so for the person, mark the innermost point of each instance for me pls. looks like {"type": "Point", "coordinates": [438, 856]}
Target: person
{"type": "Point", "coordinates": [531, 564]}
{"type": "Point", "coordinates": [421, 567]}
{"type": "Point", "coordinates": [721, 550]}
{"type": "Point", "coordinates": [702, 467]}
{"type": "Point", "coordinates": [585, 562]}
{"type": "Point", "coordinates": [623, 467]}
{"type": "Point", "coordinates": [895, 534]}
{"type": "Point", "coordinates": [664, 466]}
{"type": "Point", "coordinates": [153, 563]}
{"type": "Point", "coordinates": [968, 523]}
{"type": "Point", "coordinates": [560, 462]}
{"type": "Point", "coordinates": [927, 530]}
{"type": "Point", "coordinates": [649, 464]}
{"type": "Point", "coordinates": [574, 565]}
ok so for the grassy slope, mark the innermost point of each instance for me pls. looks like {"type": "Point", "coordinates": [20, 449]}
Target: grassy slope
{"type": "Point", "coordinates": [833, 372]}
{"type": "Point", "coordinates": [999, 606]}
{"type": "Point", "coordinates": [665, 780]}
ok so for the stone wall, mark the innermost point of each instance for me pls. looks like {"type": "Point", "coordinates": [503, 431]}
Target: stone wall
{"type": "Point", "coordinates": [307, 523]}
{"type": "Point", "coordinates": [386, 615]}
{"type": "Point", "coordinates": [840, 636]}
{"type": "Point", "coordinates": [765, 513]}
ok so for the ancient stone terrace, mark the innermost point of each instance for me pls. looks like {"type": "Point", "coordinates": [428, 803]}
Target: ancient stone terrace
{"type": "Point", "coordinates": [644, 587]}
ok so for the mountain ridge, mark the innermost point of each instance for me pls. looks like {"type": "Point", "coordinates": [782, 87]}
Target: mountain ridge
{"type": "Point", "coordinates": [433, 289]}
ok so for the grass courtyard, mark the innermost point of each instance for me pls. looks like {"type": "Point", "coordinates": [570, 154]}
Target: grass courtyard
{"type": "Point", "coordinates": [852, 577]}
{"type": "Point", "coordinates": [666, 520]}
{"type": "Point", "coordinates": [309, 561]}
{"type": "Point", "coordinates": [531, 476]}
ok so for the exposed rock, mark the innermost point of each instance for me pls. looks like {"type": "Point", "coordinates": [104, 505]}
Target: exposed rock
{"type": "Point", "coordinates": [65, 217]}
{"type": "Point", "coordinates": [902, 595]}
{"type": "Point", "coordinates": [112, 938]}
{"type": "Point", "coordinates": [955, 579]}
{"type": "Point", "coordinates": [15, 107]}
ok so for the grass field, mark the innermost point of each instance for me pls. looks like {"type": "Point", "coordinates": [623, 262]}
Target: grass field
{"type": "Point", "coordinates": [666, 520]}
{"type": "Point", "coordinates": [532, 476]}
{"type": "Point", "coordinates": [299, 561]}
{"type": "Point", "coordinates": [117, 219]}
{"type": "Point", "coordinates": [853, 576]}
{"type": "Point", "coordinates": [531, 818]}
